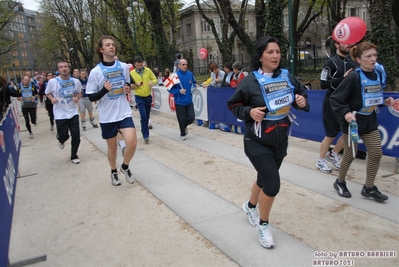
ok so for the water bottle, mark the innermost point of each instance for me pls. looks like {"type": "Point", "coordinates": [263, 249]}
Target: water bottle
{"type": "Point", "coordinates": [353, 131]}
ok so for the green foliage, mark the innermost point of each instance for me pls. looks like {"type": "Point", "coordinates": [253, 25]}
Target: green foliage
{"type": "Point", "coordinates": [383, 34]}
{"type": "Point", "coordinates": [275, 24]}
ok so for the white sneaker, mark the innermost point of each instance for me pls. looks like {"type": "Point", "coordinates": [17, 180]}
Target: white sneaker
{"type": "Point", "coordinates": [93, 123]}
{"type": "Point", "coordinates": [253, 216]}
{"type": "Point", "coordinates": [51, 128]}
{"type": "Point", "coordinates": [31, 136]}
{"type": "Point", "coordinates": [323, 166]}
{"type": "Point", "coordinates": [128, 176]}
{"type": "Point", "coordinates": [115, 179]}
{"type": "Point", "coordinates": [334, 159]}
{"type": "Point", "coordinates": [61, 145]}
{"type": "Point", "coordinates": [76, 161]}
{"type": "Point", "coordinates": [265, 236]}
{"type": "Point", "coordinates": [182, 138]}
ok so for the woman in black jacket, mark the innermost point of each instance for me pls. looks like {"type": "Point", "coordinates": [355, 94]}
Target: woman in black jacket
{"type": "Point", "coordinates": [263, 100]}
{"type": "Point", "coordinates": [356, 99]}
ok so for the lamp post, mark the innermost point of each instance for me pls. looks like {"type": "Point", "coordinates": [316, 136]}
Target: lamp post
{"type": "Point", "coordinates": [132, 4]}
{"type": "Point", "coordinates": [87, 38]}
{"type": "Point", "coordinates": [291, 38]}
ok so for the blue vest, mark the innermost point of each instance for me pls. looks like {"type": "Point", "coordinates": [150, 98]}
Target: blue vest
{"type": "Point", "coordinates": [116, 77]}
{"type": "Point", "coordinates": [27, 92]}
{"type": "Point", "coordinates": [371, 93]}
{"type": "Point", "coordinates": [67, 90]}
{"type": "Point", "coordinates": [278, 94]}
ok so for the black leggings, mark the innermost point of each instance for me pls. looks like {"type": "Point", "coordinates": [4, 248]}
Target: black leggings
{"type": "Point", "coordinates": [49, 107]}
{"type": "Point", "coordinates": [267, 165]}
{"type": "Point", "coordinates": [29, 112]}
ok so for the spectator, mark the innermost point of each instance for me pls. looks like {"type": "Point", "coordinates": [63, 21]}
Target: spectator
{"type": "Point", "coordinates": [228, 69]}
{"type": "Point", "coordinates": [238, 74]}
{"type": "Point", "coordinates": [217, 75]}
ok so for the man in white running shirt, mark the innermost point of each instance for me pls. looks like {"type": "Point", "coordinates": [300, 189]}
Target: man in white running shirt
{"type": "Point", "coordinates": [64, 93]}
{"type": "Point", "coordinates": [108, 83]}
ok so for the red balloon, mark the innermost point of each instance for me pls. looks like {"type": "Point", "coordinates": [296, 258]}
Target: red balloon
{"type": "Point", "coordinates": [349, 30]}
{"type": "Point", "coordinates": [131, 67]}
{"type": "Point", "coordinates": [203, 53]}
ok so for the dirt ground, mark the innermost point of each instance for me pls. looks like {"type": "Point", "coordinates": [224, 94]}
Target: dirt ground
{"type": "Point", "coordinates": [315, 219]}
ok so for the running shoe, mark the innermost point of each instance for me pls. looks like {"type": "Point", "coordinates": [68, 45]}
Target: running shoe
{"type": "Point", "coordinates": [253, 216]}
{"type": "Point", "coordinates": [115, 179]}
{"type": "Point", "coordinates": [342, 189]}
{"type": "Point", "coordinates": [334, 159]}
{"type": "Point", "coordinates": [128, 175]}
{"type": "Point", "coordinates": [374, 193]}
{"type": "Point", "coordinates": [265, 236]}
{"type": "Point", "coordinates": [323, 166]}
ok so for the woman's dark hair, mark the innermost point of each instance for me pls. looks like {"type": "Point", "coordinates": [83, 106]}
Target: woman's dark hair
{"type": "Point", "coordinates": [3, 82]}
{"type": "Point", "coordinates": [228, 65]}
{"type": "Point", "coordinates": [260, 46]}
{"type": "Point", "coordinates": [100, 45]}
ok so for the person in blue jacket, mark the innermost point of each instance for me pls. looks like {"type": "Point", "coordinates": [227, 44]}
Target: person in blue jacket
{"type": "Point", "coordinates": [182, 93]}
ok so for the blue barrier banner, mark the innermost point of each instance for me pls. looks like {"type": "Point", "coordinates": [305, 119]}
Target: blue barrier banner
{"type": "Point", "coordinates": [311, 123]}
{"type": "Point", "coordinates": [10, 144]}
{"type": "Point", "coordinates": [217, 105]}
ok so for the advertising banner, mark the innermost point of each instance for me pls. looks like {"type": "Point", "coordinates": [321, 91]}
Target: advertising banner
{"type": "Point", "coordinates": [10, 144]}
{"type": "Point", "coordinates": [163, 101]}
{"type": "Point", "coordinates": [311, 123]}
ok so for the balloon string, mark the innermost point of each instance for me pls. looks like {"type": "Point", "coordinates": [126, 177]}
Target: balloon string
{"type": "Point", "coordinates": [325, 43]}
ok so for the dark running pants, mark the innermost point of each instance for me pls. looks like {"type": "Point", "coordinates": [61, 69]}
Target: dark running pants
{"type": "Point", "coordinates": [72, 125]}
{"type": "Point", "coordinates": [185, 116]}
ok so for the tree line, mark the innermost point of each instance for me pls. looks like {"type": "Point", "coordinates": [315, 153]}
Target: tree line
{"type": "Point", "coordinates": [71, 27]}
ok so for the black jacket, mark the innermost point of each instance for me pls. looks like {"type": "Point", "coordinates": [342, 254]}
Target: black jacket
{"type": "Point", "coordinates": [347, 98]}
{"type": "Point", "coordinates": [248, 95]}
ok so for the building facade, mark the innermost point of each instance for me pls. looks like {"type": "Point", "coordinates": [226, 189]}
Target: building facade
{"type": "Point", "coordinates": [21, 29]}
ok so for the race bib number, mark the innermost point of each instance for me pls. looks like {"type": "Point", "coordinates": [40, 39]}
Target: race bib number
{"type": "Point", "coordinates": [283, 101]}
{"type": "Point", "coordinates": [373, 101]}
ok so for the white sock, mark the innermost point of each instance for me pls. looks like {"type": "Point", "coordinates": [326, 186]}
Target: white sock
{"type": "Point", "coordinates": [122, 143]}
{"type": "Point", "coordinates": [333, 153]}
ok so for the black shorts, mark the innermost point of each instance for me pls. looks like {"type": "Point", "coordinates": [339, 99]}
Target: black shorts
{"type": "Point", "coordinates": [110, 130]}
{"type": "Point", "coordinates": [330, 121]}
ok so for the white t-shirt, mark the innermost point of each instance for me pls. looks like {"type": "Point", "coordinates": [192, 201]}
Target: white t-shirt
{"type": "Point", "coordinates": [112, 107]}
{"type": "Point", "coordinates": [63, 91]}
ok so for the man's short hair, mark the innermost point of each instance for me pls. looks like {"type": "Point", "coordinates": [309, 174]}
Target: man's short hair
{"type": "Point", "coordinates": [138, 59]}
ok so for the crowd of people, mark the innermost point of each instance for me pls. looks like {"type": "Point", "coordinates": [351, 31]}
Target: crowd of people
{"type": "Point", "coordinates": [262, 99]}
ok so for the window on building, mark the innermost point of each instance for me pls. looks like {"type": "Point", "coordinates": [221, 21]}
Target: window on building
{"type": "Point", "coordinates": [189, 30]}
{"type": "Point", "coordinates": [178, 32]}
{"type": "Point", "coordinates": [206, 27]}
{"type": "Point", "coordinates": [364, 16]}
{"type": "Point", "coordinates": [353, 12]}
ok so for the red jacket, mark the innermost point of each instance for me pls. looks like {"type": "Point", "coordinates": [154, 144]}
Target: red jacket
{"type": "Point", "coordinates": [236, 79]}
